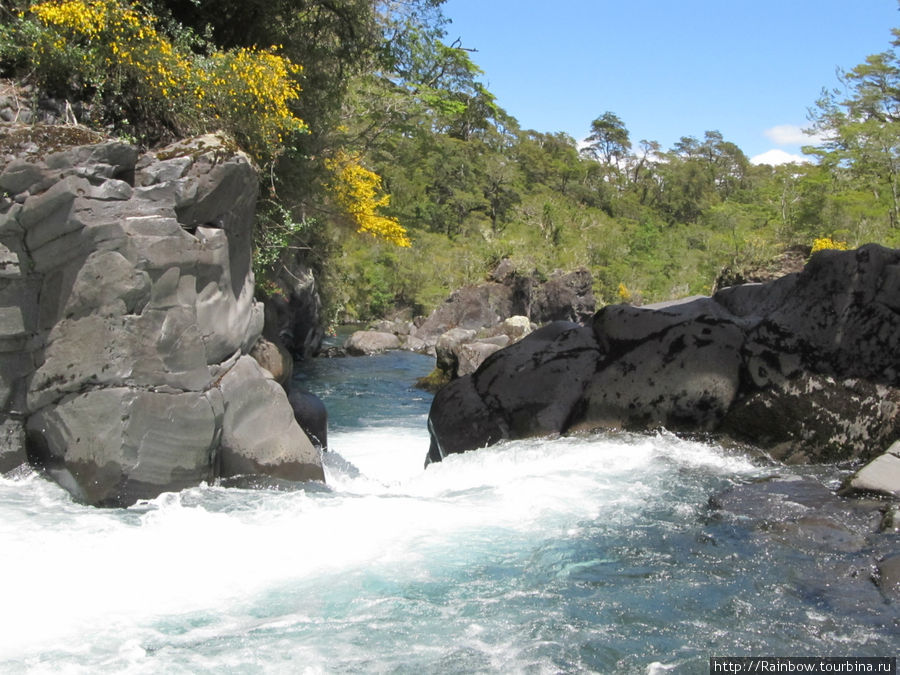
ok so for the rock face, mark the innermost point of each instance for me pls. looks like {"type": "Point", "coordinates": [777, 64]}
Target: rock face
{"type": "Point", "coordinates": [126, 313]}
{"type": "Point", "coordinates": [564, 296]}
{"type": "Point", "coordinates": [806, 367]}
{"type": "Point", "coordinates": [293, 311]}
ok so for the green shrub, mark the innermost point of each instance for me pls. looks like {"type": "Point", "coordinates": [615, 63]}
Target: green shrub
{"type": "Point", "coordinates": [112, 53]}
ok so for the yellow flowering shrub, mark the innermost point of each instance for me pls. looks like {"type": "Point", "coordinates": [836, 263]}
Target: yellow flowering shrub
{"type": "Point", "coordinates": [108, 44]}
{"type": "Point", "coordinates": [623, 293]}
{"type": "Point", "coordinates": [358, 192]}
{"type": "Point", "coordinates": [828, 243]}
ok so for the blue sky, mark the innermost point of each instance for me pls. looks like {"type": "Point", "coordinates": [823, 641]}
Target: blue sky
{"type": "Point", "coordinates": [750, 69]}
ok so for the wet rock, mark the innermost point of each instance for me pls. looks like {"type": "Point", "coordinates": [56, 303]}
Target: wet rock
{"type": "Point", "coordinates": [889, 577]}
{"type": "Point", "coordinates": [802, 513]}
{"type": "Point", "coordinates": [880, 476]}
{"type": "Point", "coordinates": [114, 446]}
{"type": "Point", "coordinates": [12, 445]}
{"type": "Point", "coordinates": [460, 420]}
{"type": "Point", "coordinates": [311, 415]}
{"type": "Point", "coordinates": [806, 366]}
{"type": "Point", "coordinates": [260, 435]}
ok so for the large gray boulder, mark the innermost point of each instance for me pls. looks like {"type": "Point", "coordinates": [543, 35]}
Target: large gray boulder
{"type": "Point", "coordinates": [806, 367]}
{"type": "Point", "coordinates": [369, 342]}
{"type": "Point", "coordinates": [259, 433]}
{"type": "Point", "coordinates": [126, 312]}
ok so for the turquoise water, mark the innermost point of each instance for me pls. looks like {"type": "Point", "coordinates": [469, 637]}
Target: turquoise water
{"type": "Point", "coordinates": [587, 554]}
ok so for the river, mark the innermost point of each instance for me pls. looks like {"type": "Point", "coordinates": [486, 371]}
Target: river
{"type": "Point", "coordinates": [594, 553]}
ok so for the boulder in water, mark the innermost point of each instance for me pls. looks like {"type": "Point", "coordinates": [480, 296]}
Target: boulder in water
{"type": "Point", "coordinates": [126, 313]}
{"type": "Point", "coordinates": [806, 367]}
{"type": "Point", "coordinates": [311, 415]}
{"type": "Point", "coordinates": [369, 342]}
{"type": "Point", "coordinates": [260, 434]}
{"type": "Point", "coordinates": [880, 476]}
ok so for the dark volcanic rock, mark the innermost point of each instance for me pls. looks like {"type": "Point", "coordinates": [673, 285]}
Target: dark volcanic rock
{"type": "Point", "coordinates": [472, 308]}
{"type": "Point", "coordinates": [815, 418]}
{"type": "Point", "coordinates": [527, 389]}
{"type": "Point", "coordinates": [536, 383]}
{"type": "Point", "coordinates": [839, 546]}
{"type": "Point", "coordinates": [676, 366]}
{"type": "Point", "coordinates": [562, 297]}
{"type": "Point", "coordinates": [311, 415]}
{"type": "Point", "coordinates": [293, 310]}
{"type": "Point", "coordinates": [460, 421]}
{"type": "Point", "coordinates": [806, 366]}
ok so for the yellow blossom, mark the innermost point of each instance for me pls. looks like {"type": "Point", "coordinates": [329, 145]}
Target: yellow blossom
{"type": "Point", "coordinates": [828, 243]}
{"type": "Point", "coordinates": [358, 191]}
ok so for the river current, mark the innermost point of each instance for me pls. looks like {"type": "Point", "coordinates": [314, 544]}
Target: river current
{"type": "Point", "coordinates": [585, 554]}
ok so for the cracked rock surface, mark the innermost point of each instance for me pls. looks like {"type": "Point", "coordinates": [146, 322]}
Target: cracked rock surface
{"type": "Point", "coordinates": [806, 367]}
{"type": "Point", "coordinates": [126, 314]}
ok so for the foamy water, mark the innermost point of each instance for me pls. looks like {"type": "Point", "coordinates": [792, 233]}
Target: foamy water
{"type": "Point", "coordinates": [585, 554]}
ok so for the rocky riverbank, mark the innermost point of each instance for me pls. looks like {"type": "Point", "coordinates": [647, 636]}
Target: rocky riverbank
{"type": "Point", "coordinates": [806, 367]}
{"type": "Point", "coordinates": [477, 321]}
{"type": "Point", "coordinates": [127, 316]}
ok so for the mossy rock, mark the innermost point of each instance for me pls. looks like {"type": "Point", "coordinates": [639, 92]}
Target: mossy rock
{"type": "Point", "coordinates": [39, 140]}
{"type": "Point", "coordinates": [432, 382]}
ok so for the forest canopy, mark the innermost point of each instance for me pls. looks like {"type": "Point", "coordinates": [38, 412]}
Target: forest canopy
{"type": "Point", "coordinates": [391, 169]}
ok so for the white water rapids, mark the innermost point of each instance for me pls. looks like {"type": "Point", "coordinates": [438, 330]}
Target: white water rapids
{"type": "Point", "coordinates": [583, 554]}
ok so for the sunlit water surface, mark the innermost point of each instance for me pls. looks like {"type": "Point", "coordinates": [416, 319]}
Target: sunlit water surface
{"type": "Point", "coordinates": [586, 554]}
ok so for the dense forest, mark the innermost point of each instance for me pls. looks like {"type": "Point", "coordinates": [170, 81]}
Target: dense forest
{"type": "Point", "coordinates": [389, 168]}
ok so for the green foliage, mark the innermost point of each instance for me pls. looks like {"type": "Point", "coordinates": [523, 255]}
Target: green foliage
{"type": "Point", "coordinates": [861, 125]}
{"type": "Point", "coordinates": [277, 234]}
{"type": "Point", "coordinates": [148, 85]}
{"type": "Point", "coordinates": [406, 143]}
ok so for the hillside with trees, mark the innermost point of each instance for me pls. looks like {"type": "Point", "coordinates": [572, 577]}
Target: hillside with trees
{"type": "Point", "coordinates": [392, 171]}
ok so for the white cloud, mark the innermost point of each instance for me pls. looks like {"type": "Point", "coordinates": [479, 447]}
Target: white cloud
{"type": "Point", "coordinates": [775, 157]}
{"type": "Point", "coordinates": [791, 134]}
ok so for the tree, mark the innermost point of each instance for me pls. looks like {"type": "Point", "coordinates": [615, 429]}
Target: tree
{"type": "Point", "coordinates": [861, 125]}
{"type": "Point", "coordinates": [609, 141]}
